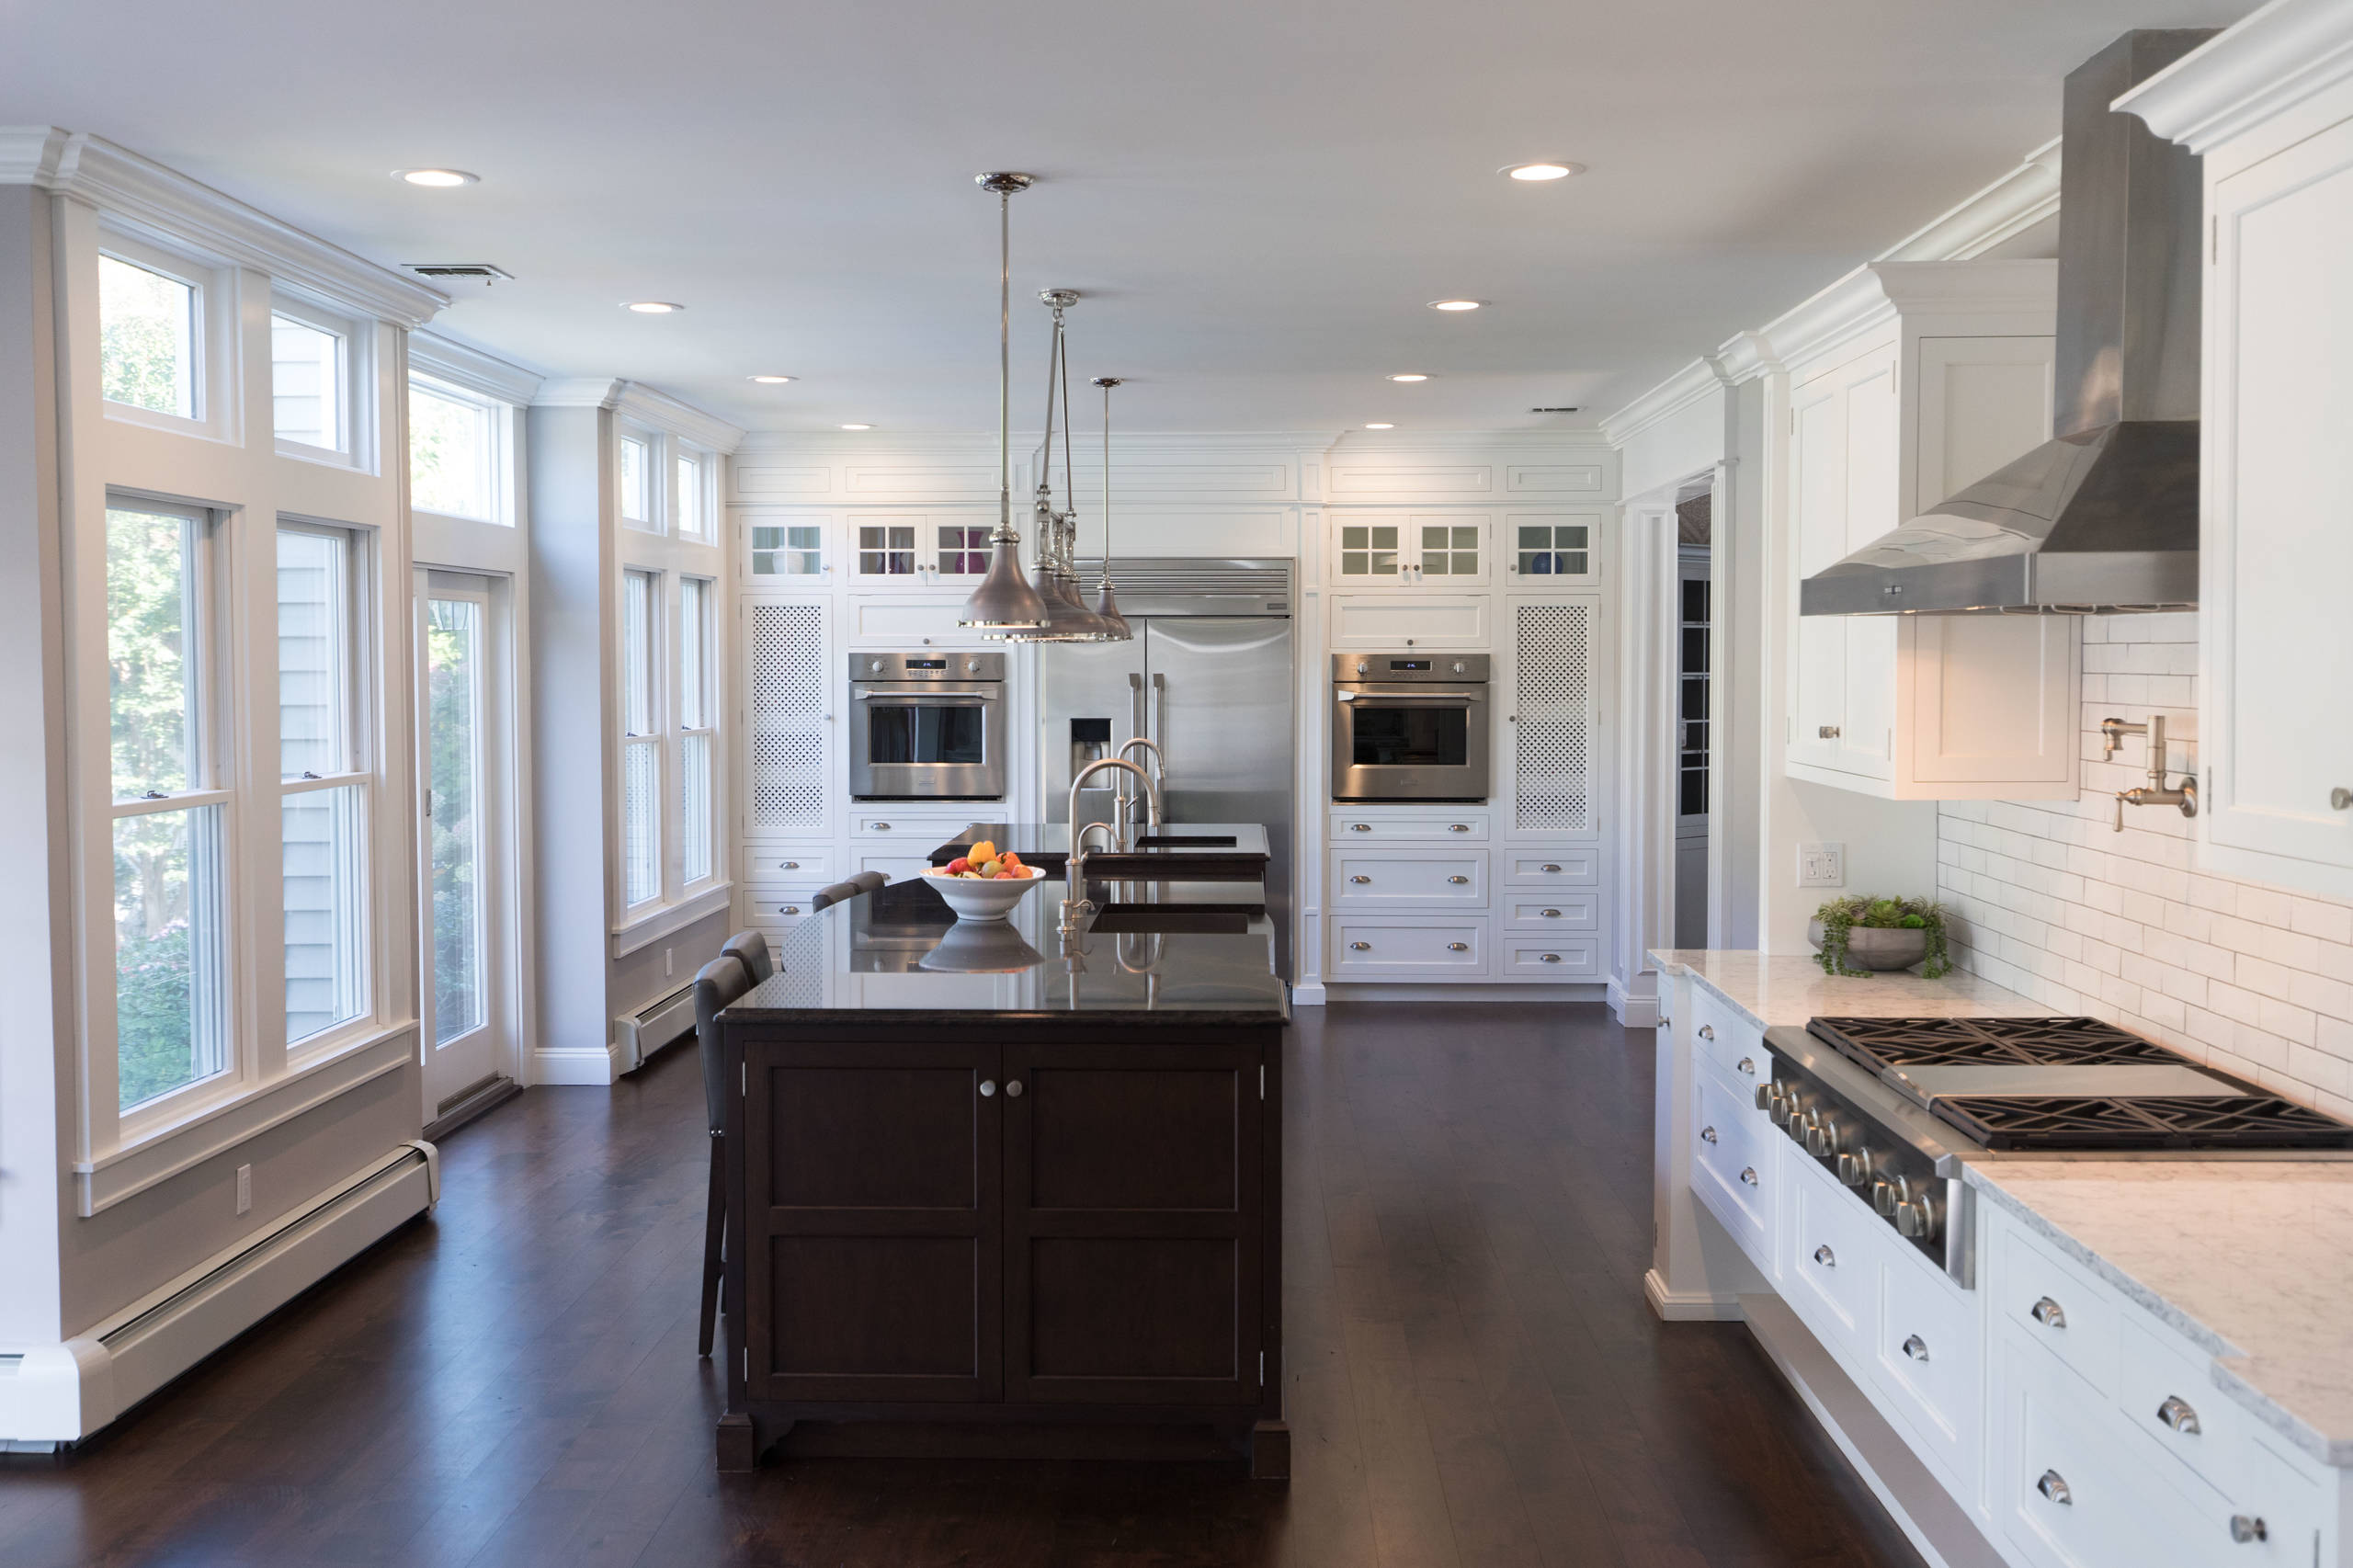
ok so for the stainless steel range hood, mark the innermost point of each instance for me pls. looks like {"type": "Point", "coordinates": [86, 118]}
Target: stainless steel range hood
{"type": "Point", "coordinates": [2104, 518]}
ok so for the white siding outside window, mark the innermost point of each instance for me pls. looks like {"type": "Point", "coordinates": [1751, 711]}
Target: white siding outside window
{"type": "Point", "coordinates": [307, 374]}
{"type": "Point", "coordinates": [641, 744]}
{"type": "Point", "coordinates": [697, 777]}
{"type": "Point", "coordinates": [324, 812]}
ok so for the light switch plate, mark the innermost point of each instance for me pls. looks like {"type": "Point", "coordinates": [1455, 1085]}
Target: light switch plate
{"type": "Point", "coordinates": [1822, 864]}
{"type": "Point", "coordinates": [245, 1189]}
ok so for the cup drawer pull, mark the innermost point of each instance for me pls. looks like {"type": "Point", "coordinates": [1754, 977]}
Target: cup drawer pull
{"type": "Point", "coordinates": [1749, 1174]}
{"type": "Point", "coordinates": [1915, 1347]}
{"type": "Point", "coordinates": [1458, 827]}
{"type": "Point", "coordinates": [2245, 1528]}
{"type": "Point", "coordinates": [787, 909]}
{"type": "Point", "coordinates": [2049, 1313]}
{"type": "Point", "coordinates": [1824, 1256]}
{"type": "Point", "coordinates": [1707, 1031]}
{"type": "Point", "coordinates": [2177, 1414]}
{"type": "Point", "coordinates": [1548, 958]}
{"type": "Point", "coordinates": [2054, 1486]}
{"type": "Point", "coordinates": [1708, 1135]}
{"type": "Point", "coordinates": [1359, 946]}
{"type": "Point", "coordinates": [1360, 827]}
{"type": "Point", "coordinates": [1548, 868]}
{"type": "Point", "coordinates": [1459, 881]}
{"type": "Point", "coordinates": [1748, 1065]}
{"type": "Point", "coordinates": [1458, 947]}
{"type": "Point", "coordinates": [1359, 881]}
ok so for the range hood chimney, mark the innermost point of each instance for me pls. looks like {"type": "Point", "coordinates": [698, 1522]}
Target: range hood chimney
{"type": "Point", "coordinates": [2103, 517]}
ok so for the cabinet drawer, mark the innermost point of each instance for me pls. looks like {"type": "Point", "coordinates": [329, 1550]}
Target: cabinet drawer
{"type": "Point", "coordinates": [1552, 958]}
{"type": "Point", "coordinates": [1559, 911]}
{"type": "Point", "coordinates": [2168, 1392]}
{"type": "Point", "coordinates": [897, 867]}
{"type": "Point", "coordinates": [2063, 1495]}
{"type": "Point", "coordinates": [1439, 827]}
{"type": "Point", "coordinates": [1557, 867]}
{"type": "Point", "coordinates": [2056, 1305]}
{"type": "Point", "coordinates": [1731, 1166]}
{"type": "Point", "coordinates": [1927, 1360]}
{"type": "Point", "coordinates": [1408, 947]}
{"type": "Point", "coordinates": [1727, 1041]}
{"type": "Point", "coordinates": [921, 831]}
{"type": "Point", "coordinates": [1409, 877]}
{"type": "Point", "coordinates": [1411, 618]}
{"type": "Point", "coordinates": [775, 904]}
{"type": "Point", "coordinates": [785, 863]}
{"type": "Point", "coordinates": [1830, 1265]}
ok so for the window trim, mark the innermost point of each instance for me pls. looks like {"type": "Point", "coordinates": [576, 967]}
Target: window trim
{"type": "Point", "coordinates": [499, 419]}
{"type": "Point", "coordinates": [657, 485]}
{"type": "Point", "coordinates": [697, 524]}
{"type": "Point", "coordinates": [355, 375]}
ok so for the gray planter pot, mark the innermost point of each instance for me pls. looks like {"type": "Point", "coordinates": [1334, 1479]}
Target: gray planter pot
{"type": "Point", "coordinates": [1870, 946]}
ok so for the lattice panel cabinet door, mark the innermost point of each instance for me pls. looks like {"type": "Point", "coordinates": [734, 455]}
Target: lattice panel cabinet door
{"type": "Point", "coordinates": [789, 718]}
{"type": "Point", "coordinates": [1553, 730]}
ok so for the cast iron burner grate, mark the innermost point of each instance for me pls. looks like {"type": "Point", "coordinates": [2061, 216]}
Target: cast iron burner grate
{"type": "Point", "coordinates": [1938, 1043]}
{"type": "Point", "coordinates": [2142, 1121]}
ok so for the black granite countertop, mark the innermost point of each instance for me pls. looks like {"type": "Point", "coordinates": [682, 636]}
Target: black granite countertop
{"type": "Point", "coordinates": [898, 955]}
{"type": "Point", "coordinates": [1204, 851]}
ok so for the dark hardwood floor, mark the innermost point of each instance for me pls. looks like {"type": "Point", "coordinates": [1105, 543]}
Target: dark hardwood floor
{"type": "Point", "coordinates": [1474, 1378]}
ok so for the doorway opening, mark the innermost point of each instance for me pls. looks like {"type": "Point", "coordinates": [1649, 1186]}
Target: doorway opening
{"type": "Point", "coordinates": [1694, 611]}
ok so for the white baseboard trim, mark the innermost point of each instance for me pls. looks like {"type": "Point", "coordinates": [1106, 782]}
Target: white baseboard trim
{"type": "Point", "coordinates": [600, 1065]}
{"type": "Point", "coordinates": [60, 1393]}
{"type": "Point", "coordinates": [1633, 1012]}
{"type": "Point", "coordinates": [1308, 995]}
{"type": "Point", "coordinates": [1938, 1527]}
{"type": "Point", "coordinates": [1688, 1306]}
{"type": "Point", "coordinates": [1551, 991]}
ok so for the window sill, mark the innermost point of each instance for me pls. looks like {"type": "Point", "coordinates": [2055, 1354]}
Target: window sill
{"type": "Point", "coordinates": [659, 922]}
{"type": "Point", "coordinates": [157, 1154]}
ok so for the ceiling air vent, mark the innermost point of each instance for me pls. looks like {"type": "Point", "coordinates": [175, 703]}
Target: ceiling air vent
{"type": "Point", "coordinates": [1552, 410]}
{"type": "Point", "coordinates": [480, 272]}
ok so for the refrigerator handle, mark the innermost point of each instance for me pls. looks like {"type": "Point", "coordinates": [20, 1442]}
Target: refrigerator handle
{"type": "Point", "coordinates": [1160, 719]}
{"type": "Point", "coordinates": [1135, 704]}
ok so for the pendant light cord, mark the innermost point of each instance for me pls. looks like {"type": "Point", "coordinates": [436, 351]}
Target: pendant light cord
{"type": "Point", "coordinates": [1004, 367]}
{"type": "Point", "coordinates": [1070, 477]}
{"type": "Point", "coordinates": [1107, 482]}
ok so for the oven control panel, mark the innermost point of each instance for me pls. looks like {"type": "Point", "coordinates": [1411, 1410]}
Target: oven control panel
{"type": "Point", "coordinates": [1410, 668]}
{"type": "Point", "coordinates": [1894, 1180]}
{"type": "Point", "coordinates": [943, 665]}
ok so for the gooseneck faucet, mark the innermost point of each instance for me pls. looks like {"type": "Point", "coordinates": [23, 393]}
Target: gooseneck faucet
{"type": "Point", "coordinates": [2155, 794]}
{"type": "Point", "coordinates": [1126, 802]}
{"type": "Point", "coordinates": [1074, 901]}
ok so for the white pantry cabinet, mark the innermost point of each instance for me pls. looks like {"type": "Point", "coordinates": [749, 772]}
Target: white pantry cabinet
{"type": "Point", "coordinates": [2268, 106]}
{"type": "Point", "coordinates": [1948, 378]}
{"type": "Point", "coordinates": [789, 756]}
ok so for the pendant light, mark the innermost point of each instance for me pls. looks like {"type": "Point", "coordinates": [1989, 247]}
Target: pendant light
{"type": "Point", "coordinates": [1067, 617]}
{"type": "Point", "coordinates": [1105, 604]}
{"type": "Point", "coordinates": [1005, 603]}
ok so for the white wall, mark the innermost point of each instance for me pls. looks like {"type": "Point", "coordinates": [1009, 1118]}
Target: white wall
{"type": "Point", "coordinates": [2053, 903]}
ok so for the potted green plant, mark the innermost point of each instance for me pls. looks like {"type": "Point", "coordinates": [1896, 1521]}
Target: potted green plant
{"type": "Point", "coordinates": [1860, 935]}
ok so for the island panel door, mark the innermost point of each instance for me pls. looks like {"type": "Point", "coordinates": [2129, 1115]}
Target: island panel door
{"type": "Point", "coordinates": [873, 1187]}
{"type": "Point", "coordinates": [1133, 1220]}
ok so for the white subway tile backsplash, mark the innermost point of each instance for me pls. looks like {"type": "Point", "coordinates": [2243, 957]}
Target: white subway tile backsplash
{"type": "Point", "coordinates": [2048, 901]}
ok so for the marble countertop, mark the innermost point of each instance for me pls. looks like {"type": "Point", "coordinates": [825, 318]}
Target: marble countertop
{"type": "Point", "coordinates": [2252, 1259]}
{"type": "Point", "coordinates": [1773, 989]}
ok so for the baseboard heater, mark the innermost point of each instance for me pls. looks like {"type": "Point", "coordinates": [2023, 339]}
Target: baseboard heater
{"type": "Point", "coordinates": [651, 1026]}
{"type": "Point", "coordinates": [55, 1395]}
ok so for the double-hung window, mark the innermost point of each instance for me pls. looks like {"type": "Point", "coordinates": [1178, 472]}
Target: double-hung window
{"type": "Point", "coordinates": [171, 800]}
{"type": "Point", "coordinates": [456, 461]}
{"type": "Point", "coordinates": [150, 335]}
{"type": "Point", "coordinates": [692, 494]}
{"type": "Point", "coordinates": [698, 776]}
{"type": "Point", "coordinates": [324, 776]}
{"type": "Point", "coordinates": [640, 740]}
{"type": "Point", "coordinates": [639, 488]}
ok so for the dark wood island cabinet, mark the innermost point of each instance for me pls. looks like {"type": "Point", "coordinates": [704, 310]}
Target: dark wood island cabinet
{"type": "Point", "coordinates": [987, 1209]}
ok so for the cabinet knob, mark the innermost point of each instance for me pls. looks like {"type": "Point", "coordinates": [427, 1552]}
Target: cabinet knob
{"type": "Point", "coordinates": [1915, 1347]}
{"type": "Point", "coordinates": [2245, 1528]}
{"type": "Point", "coordinates": [988, 1087]}
{"type": "Point", "coordinates": [1013, 1089]}
{"type": "Point", "coordinates": [1459, 881]}
{"type": "Point", "coordinates": [2177, 1414]}
{"type": "Point", "coordinates": [2049, 1313]}
{"type": "Point", "coordinates": [1360, 947]}
{"type": "Point", "coordinates": [2054, 1486]}
{"type": "Point", "coordinates": [1707, 1031]}
{"type": "Point", "coordinates": [2339, 799]}
{"type": "Point", "coordinates": [1458, 947]}
{"type": "Point", "coordinates": [1707, 1135]}
{"type": "Point", "coordinates": [1828, 732]}
{"type": "Point", "coordinates": [1360, 879]}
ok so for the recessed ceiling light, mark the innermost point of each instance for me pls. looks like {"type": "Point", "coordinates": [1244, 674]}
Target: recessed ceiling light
{"type": "Point", "coordinates": [772, 380]}
{"type": "Point", "coordinates": [1380, 426]}
{"type": "Point", "coordinates": [1456, 304]}
{"type": "Point", "coordinates": [1410, 376]}
{"type": "Point", "coordinates": [650, 307]}
{"type": "Point", "coordinates": [440, 179]}
{"type": "Point", "coordinates": [1541, 171]}
{"type": "Point", "coordinates": [858, 426]}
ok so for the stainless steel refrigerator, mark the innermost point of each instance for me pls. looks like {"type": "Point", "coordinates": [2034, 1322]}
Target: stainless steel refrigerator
{"type": "Point", "coordinates": [1209, 677]}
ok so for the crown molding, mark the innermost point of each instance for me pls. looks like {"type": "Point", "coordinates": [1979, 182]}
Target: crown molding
{"type": "Point", "coordinates": [2247, 74]}
{"type": "Point", "coordinates": [1880, 291]}
{"type": "Point", "coordinates": [578, 391]}
{"type": "Point", "coordinates": [176, 211]}
{"type": "Point", "coordinates": [673, 417]}
{"type": "Point", "coordinates": [1699, 379]}
{"type": "Point", "coordinates": [2002, 211]}
{"type": "Point", "coordinates": [1518, 441]}
{"type": "Point", "coordinates": [476, 369]}
{"type": "Point", "coordinates": [1745, 356]}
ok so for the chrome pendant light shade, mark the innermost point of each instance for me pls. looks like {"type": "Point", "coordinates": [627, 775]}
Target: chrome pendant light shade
{"type": "Point", "coordinates": [1107, 603]}
{"type": "Point", "coordinates": [1005, 605]}
{"type": "Point", "coordinates": [1068, 617]}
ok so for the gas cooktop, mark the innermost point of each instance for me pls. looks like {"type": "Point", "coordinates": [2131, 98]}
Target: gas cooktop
{"type": "Point", "coordinates": [2071, 1084]}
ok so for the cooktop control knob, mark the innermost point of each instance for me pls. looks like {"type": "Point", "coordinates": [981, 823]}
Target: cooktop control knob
{"type": "Point", "coordinates": [1855, 1167]}
{"type": "Point", "coordinates": [1917, 1217]}
{"type": "Point", "coordinates": [1767, 1096]}
{"type": "Point", "coordinates": [1821, 1139]}
{"type": "Point", "coordinates": [1883, 1194]}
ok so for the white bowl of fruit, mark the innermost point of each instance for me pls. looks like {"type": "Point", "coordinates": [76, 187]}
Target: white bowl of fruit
{"type": "Point", "coordinates": [983, 884]}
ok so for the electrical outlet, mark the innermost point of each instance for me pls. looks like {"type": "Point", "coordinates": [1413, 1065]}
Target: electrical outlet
{"type": "Point", "coordinates": [669, 962]}
{"type": "Point", "coordinates": [244, 1189]}
{"type": "Point", "coordinates": [1822, 864]}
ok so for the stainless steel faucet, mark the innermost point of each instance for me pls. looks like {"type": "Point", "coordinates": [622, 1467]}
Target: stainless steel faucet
{"type": "Point", "coordinates": [2155, 794]}
{"type": "Point", "coordinates": [1074, 901]}
{"type": "Point", "coordinates": [1125, 802]}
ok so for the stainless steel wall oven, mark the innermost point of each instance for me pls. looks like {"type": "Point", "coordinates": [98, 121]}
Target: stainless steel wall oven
{"type": "Point", "coordinates": [927, 726]}
{"type": "Point", "coordinates": [1409, 727]}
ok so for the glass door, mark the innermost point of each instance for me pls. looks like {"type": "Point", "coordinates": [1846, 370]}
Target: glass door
{"type": "Point", "coordinates": [464, 979]}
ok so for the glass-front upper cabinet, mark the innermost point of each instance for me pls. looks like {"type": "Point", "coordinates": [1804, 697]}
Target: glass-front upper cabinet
{"type": "Point", "coordinates": [1441, 549]}
{"type": "Point", "coordinates": [1553, 548]}
{"type": "Point", "coordinates": [919, 548]}
{"type": "Point", "coordinates": [792, 547]}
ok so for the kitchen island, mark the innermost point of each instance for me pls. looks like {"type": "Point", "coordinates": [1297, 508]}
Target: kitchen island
{"type": "Point", "coordinates": [991, 1192]}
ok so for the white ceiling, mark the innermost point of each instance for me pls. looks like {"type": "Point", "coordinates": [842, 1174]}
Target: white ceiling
{"type": "Point", "coordinates": [1257, 196]}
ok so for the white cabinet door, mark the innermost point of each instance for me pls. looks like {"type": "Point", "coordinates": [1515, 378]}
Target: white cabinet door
{"type": "Point", "coordinates": [1408, 620]}
{"type": "Point", "coordinates": [787, 549]}
{"type": "Point", "coordinates": [1552, 549]}
{"type": "Point", "coordinates": [1818, 511]}
{"type": "Point", "coordinates": [2277, 547]}
{"type": "Point", "coordinates": [917, 550]}
{"type": "Point", "coordinates": [1550, 749]}
{"type": "Point", "coordinates": [788, 762]}
{"type": "Point", "coordinates": [1873, 506]}
{"type": "Point", "coordinates": [1442, 551]}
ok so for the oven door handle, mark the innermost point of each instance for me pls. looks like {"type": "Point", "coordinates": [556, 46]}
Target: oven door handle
{"type": "Point", "coordinates": [925, 701]}
{"type": "Point", "coordinates": [1449, 702]}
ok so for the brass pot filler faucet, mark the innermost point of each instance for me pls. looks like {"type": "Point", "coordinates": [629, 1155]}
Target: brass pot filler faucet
{"type": "Point", "coordinates": [2155, 794]}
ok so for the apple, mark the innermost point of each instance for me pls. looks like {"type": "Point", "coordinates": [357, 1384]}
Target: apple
{"type": "Point", "coordinates": [958, 866]}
